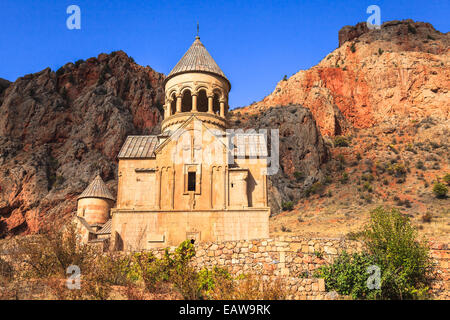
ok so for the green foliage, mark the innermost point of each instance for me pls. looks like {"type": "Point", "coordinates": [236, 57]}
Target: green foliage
{"type": "Point", "coordinates": [316, 187]}
{"type": "Point", "coordinates": [390, 243]}
{"type": "Point", "coordinates": [440, 190]}
{"type": "Point", "coordinates": [404, 261]}
{"type": "Point", "coordinates": [348, 275]}
{"type": "Point", "coordinates": [50, 253]}
{"type": "Point", "coordinates": [447, 178]}
{"type": "Point", "coordinates": [287, 206]}
{"type": "Point", "coordinates": [341, 141]}
{"type": "Point", "coordinates": [353, 48]}
{"type": "Point", "coordinates": [397, 169]}
{"type": "Point", "coordinates": [367, 186]}
{"type": "Point", "coordinates": [209, 279]}
{"type": "Point", "coordinates": [344, 179]}
{"type": "Point", "coordinates": [367, 177]}
{"type": "Point", "coordinates": [380, 51]}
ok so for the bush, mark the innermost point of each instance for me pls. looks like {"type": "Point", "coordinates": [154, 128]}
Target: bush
{"type": "Point", "coordinates": [340, 141]}
{"type": "Point", "coordinates": [344, 179]}
{"type": "Point", "coordinates": [314, 188]}
{"type": "Point", "coordinates": [287, 206]}
{"type": "Point", "coordinates": [404, 261]}
{"type": "Point", "coordinates": [348, 275]}
{"type": "Point", "coordinates": [391, 243]}
{"type": "Point", "coordinates": [440, 190]}
{"type": "Point", "coordinates": [447, 178]}
{"type": "Point", "coordinates": [51, 253]}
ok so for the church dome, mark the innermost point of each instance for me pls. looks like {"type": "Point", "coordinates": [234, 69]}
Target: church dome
{"type": "Point", "coordinates": [97, 189]}
{"type": "Point", "coordinates": [197, 59]}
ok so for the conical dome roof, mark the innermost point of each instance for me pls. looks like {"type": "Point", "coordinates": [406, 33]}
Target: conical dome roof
{"type": "Point", "coordinates": [97, 189]}
{"type": "Point", "coordinates": [196, 59]}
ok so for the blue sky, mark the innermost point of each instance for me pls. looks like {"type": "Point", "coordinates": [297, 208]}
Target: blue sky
{"type": "Point", "coordinates": [254, 42]}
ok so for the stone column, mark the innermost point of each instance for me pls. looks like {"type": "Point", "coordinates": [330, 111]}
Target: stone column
{"type": "Point", "coordinates": [168, 110]}
{"type": "Point", "coordinates": [210, 104]}
{"type": "Point", "coordinates": [194, 102]}
{"type": "Point", "coordinates": [178, 103]}
{"type": "Point", "coordinates": [222, 109]}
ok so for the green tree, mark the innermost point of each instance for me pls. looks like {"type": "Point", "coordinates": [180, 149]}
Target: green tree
{"type": "Point", "coordinates": [440, 190]}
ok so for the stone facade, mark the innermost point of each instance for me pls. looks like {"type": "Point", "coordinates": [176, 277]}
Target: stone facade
{"type": "Point", "coordinates": [195, 180]}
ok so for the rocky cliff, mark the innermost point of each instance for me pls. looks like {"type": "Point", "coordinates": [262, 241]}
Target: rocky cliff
{"type": "Point", "coordinates": [302, 150]}
{"type": "Point", "coordinates": [58, 128]}
{"type": "Point", "coordinates": [374, 76]}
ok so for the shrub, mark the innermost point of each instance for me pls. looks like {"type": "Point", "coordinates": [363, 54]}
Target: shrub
{"type": "Point", "coordinates": [341, 141]}
{"type": "Point", "coordinates": [348, 275]}
{"type": "Point", "coordinates": [287, 206]}
{"type": "Point", "coordinates": [353, 48]}
{"type": "Point", "coordinates": [314, 188]}
{"type": "Point", "coordinates": [344, 179]}
{"type": "Point", "coordinates": [420, 165]}
{"type": "Point", "coordinates": [380, 51]}
{"type": "Point", "coordinates": [404, 261]}
{"type": "Point", "coordinates": [51, 253]}
{"type": "Point", "coordinates": [447, 178]}
{"type": "Point", "coordinates": [440, 190]}
{"type": "Point", "coordinates": [390, 242]}
{"type": "Point", "coordinates": [367, 186]}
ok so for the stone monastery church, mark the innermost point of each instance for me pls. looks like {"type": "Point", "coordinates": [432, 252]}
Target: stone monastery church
{"type": "Point", "coordinates": [196, 180]}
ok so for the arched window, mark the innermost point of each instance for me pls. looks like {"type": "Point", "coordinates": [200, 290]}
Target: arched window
{"type": "Point", "coordinates": [173, 104]}
{"type": "Point", "coordinates": [202, 101]}
{"type": "Point", "coordinates": [216, 103]}
{"type": "Point", "coordinates": [186, 101]}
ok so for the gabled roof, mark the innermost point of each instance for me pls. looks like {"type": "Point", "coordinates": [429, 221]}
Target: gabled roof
{"type": "Point", "coordinates": [106, 229]}
{"type": "Point", "coordinates": [197, 59]}
{"type": "Point", "coordinates": [249, 144]}
{"type": "Point", "coordinates": [97, 189]}
{"type": "Point", "coordinates": [139, 147]}
{"type": "Point", "coordinates": [175, 134]}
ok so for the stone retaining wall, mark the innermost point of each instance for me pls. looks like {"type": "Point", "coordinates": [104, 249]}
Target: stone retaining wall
{"type": "Point", "coordinates": [296, 259]}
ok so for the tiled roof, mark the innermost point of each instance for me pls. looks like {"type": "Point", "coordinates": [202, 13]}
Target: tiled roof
{"type": "Point", "coordinates": [106, 229]}
{"type": "Point", "coordinates": [249, 144]}
{"type": "Point", "coordinates": [97, 189]}
{"type": "Point", "coordinates": [139, 147]}
{"type": "Point", "coordinates": [196, 59]}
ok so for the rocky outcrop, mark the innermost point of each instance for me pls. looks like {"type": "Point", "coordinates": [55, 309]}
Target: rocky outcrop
{"type": "Point", "coordinates": [58, 128]}
{"type": "Point", "coordinates": [398, 72]}
{"type": "Point", "coordinates": [302, 150]}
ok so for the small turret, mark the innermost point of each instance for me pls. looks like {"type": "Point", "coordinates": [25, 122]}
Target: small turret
{"type": "Point", "coordinates": [95, 202]}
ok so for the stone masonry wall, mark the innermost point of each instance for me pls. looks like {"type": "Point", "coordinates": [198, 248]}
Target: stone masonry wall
{"type": "Point", "coordinates": [295, 259]}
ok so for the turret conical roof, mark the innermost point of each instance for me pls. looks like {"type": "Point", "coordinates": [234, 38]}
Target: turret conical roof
{"type": "Point", "coordinates": [97, 189]}
{"type": "Point", "coordinates": [196, 59]}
